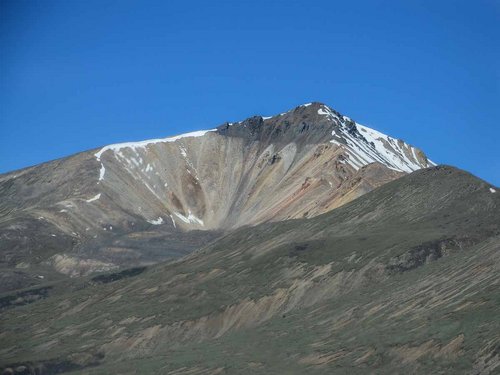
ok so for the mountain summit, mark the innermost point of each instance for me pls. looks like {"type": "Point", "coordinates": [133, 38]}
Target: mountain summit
{"type": "Point", "coordinates": [314, 123]}
{"type": "Point", "coordinates": [137, 203]}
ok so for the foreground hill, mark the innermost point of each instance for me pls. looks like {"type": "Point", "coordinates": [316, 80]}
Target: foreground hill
{"type": "Point", "coordinates": [404, 279]}
{"type": "Point", "coordinates": [139, 203]}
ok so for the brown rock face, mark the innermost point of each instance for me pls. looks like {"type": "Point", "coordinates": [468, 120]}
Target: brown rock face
{"type": "Point", "coordinates": [138, 203]}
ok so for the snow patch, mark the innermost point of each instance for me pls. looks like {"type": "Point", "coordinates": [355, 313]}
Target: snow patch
{"type": "Point", "coordinates": [142, 144]}
{"type": "Point", "coordinates": [492, 190]}
{"type": "Point", "coordinates": [94, 198]}
{"type": "Point", "coordinates": [183, 151]}
{"type": "Point", "coordinates": [395, 158]}
{"type": "Point", "coordinates": [156, 222]}
{"type": "Point", "coordinates": [189, 219]}
{"type": "Point", "coordinates": [137, 160]}
{"type": "Point", "coordinates": [173, 221]}
{"type": "Point", "coordinates": [102, 171]}
{"type": "Point", "coordinates": [371, 146]}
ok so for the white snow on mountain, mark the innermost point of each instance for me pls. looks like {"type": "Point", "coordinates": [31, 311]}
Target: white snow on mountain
{"type": "Point", "coordinates": [102, 171]}
{"type": "Point", "coordinates": [373, 146]}
{"type": "Point", "coordinates": [142, 144]}
{"type": "Point", "coordinates": [189, 219]}
{"type": "Point", "coordinates": [93, 198]}
{"type": "Point", "coordinates": [156, 221]}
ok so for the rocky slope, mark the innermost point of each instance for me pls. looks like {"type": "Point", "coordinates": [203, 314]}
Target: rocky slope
{"type": "Point", "coordinates": [142, 202]}
{"type": "Point", "coordinates": [404, 279]}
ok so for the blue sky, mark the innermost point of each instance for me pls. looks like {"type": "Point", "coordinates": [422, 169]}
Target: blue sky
{"type": "Point", "coordinates": [76, 75]}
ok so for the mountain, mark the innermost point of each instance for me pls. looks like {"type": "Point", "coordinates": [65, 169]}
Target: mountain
{"type": "Point", "coordinates": [403, 279]}
{"type": "Point", "coordinates": [140, 203]}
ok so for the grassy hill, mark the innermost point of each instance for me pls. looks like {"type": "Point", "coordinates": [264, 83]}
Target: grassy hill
{"type": "Point", "coordinates": [404, 279]}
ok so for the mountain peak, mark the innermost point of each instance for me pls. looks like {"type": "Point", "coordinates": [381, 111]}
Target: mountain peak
{"type": "Point", "coordinates": [84, 208]}
{"type": "Point", "coordinates": [316, 123]}
{"type": "Point", "coordinates": [310, 109]}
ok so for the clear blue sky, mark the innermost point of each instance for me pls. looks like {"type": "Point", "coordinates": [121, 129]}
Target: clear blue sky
{"type": "Point", "coordinates": [76, 75]}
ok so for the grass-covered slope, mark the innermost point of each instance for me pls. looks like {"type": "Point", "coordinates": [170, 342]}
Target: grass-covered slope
{"type": "Point", "coordinates": [402, 280]}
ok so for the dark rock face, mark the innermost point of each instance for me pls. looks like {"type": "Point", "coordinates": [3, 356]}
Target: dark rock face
{"type": "Point", "coordinates": [426, 252]}
{"type": "Point", "coordinates": [109, 278]}
{"type": "Point", "coordinates": [24, 297]}
{"type": "Point", "coordinates": [54, 366]}
{"type": "Point", "coordinates": [303, 125]}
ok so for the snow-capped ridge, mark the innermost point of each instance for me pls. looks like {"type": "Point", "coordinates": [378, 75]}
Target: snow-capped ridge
{"type": "Point", "coordinates": [365, 145]}
{"type": "Point", "coordinates": [142, 144]}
